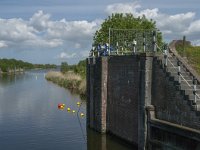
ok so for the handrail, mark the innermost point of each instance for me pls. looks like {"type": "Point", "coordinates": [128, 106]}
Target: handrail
{"type": "Point", "coordinates": [172, 63]}
{"type": "Point", "coordinates": [185, 80]}
{"type": "Point", "coordinates": [191, 70]}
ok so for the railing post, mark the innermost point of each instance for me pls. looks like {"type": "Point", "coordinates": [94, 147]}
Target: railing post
{"type": "Point", "coordinates": [117, 45]}
{"type": "Point", "coordinates": [144, 42]}
{"type": "Point", "coordinates": [154, 41]}
{"type": "Point", "coordinates": [165, 54]}
{"type": "Point", "coordinates": [122, 51]}
{"type": "Point", "coordinates": [179, 72]}
{"type": "Point", "coordinates": [107, 48]}
{"type": "Point", "coordinates": [195, 89]}
{"type": "Point", "coordinates": [93, 48]}
{"type": "Point", "coordinates": [109, 42]}
{"type": "Point", "coordinates": [134, 46]}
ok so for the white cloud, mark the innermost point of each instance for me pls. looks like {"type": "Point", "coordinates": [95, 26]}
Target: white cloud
{"type": "Point", "coordinates": [15, 30]}
{"type": "Point", "coordinates": [194, 27]}
{"type": "Point", "coordinates": [41, 31]}
{"type": "Point", "coordinates": [3, 44]}
{"type": "Point", "coordinates": [172, 26]}
{"type": "Point", "coordinates": [84, 54]}
{"type": "Point", "coordinates": [122, 8]}
{"type": "Point", "coordinates": [64, 55]}
{"type": "Point", "coordinates": [77, 45]}
{"type": "Point", "coordinates": [40, 21]}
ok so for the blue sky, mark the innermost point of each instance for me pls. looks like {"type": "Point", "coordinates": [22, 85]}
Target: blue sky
{"type": "Point", "coordinates": [52, 31]}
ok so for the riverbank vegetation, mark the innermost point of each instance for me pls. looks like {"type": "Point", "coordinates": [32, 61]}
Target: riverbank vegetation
{"type": "Point", "coordinates": [191, 53]}
{"type": "Point", "coordinates": [7, 65]}
{"type": "Point", "coordinates": [72, 77]}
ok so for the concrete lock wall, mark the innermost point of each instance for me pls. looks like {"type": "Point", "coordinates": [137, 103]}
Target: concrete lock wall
{"type": "Point", "coordinates": [115, 103]}
{"type": "Point", "coordinates": [123, 93]}
{"type": "Point", "coordinates": [119, 89]}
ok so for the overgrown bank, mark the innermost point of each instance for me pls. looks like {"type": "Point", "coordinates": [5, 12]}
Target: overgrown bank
{"type": "Point", "coordinates": [190, 52]}
{"type": "Point", "coordinates": [70, 77]}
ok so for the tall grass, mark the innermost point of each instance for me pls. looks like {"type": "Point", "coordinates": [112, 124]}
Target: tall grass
{"type": "Point", "coordinates": [70, 80]}
{"type": "Point", "coordinates": [192, 54]}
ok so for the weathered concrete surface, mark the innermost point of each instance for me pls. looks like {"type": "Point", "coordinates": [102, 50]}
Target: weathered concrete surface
{"type": "Point", "coordinates": [123, 93]}
{"type": "Point", "coordinates": [97, 93]}
{"type": "Point", "coordinates": [145, 81]}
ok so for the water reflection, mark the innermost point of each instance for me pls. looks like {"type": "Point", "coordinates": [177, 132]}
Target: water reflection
{"type": "Point", "coordinates": [29, 118]}
{"type": "Point", "coordinates": [97, 141]}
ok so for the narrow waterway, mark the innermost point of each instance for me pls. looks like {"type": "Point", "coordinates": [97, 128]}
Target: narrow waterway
{"type": "Point", "coordinates": [30, 119]}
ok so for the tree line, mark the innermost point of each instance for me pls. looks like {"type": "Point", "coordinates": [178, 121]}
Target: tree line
{"type": "Point", "coordinates": [11, 64]}
{"type": "Point", "coordinates": [79, 68]}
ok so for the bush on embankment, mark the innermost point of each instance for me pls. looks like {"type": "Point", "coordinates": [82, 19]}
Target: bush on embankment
{"type": "Point", "coordinates": [69, 80]}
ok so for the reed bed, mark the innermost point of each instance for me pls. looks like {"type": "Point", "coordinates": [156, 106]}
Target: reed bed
{"type": "Point", "coordinates": [69, 80]}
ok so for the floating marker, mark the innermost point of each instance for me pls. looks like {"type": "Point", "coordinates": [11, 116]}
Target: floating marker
{"type": "Point", "coordinates": [73, 111]}
{"type": "Point", "coordinates": [68, 109]}
{"type": "Point", "coordinates": [82, 114]}
{"type": "Point", "coordinates": [78, 103]}
{"type": "Point", "coordinates": [61, 106]}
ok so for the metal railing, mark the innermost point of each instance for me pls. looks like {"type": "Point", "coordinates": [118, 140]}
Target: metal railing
{"type": "Point", "coordinates": [181, 78]}
{"type": "Point", "coordinates": [126, 42]}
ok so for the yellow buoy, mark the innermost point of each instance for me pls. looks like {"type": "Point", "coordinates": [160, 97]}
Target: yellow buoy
{"type": "Point", "coordinates": [78, 103]}
{"type": "Point", "coordinates": [61, 107]}
{"type": "Point", "coordinates": [82, 114]}
{"type": "Point", "coordinates": [73, 111]}
{"type": "Point", "coordinates": [68, 109]}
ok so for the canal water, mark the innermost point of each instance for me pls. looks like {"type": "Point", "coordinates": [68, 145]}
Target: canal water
{"type": "Point", "coordinates": [30, 119]}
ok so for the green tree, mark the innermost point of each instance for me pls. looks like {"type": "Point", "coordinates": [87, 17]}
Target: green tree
{"type": "Point", "coordinates": [124, 21]}
{"type": "Point", "coordinates": [64, 67]}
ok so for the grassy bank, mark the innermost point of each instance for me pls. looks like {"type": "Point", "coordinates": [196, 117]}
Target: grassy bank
{"type": "Point", "coordinates": [69, 80]}
{"type": "Point", "coordinates": [192, 53]}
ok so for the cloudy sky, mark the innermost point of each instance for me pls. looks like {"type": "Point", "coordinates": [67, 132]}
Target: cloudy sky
{"type": "Point", "coordinates": [52, 31]}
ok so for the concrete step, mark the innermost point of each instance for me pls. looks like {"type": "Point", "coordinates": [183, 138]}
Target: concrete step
{"type": "Point", "coordinates": [196, 108]}
{"type": "Point", "coordinates": [188, 92]}
{"type": "Point", "coordinates": [191, 97]}
{"type": "Point", "coordinates": [176, 72]}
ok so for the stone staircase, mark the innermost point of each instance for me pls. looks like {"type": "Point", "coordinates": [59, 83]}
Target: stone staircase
{"type": "Point", "coordinates": [185, 81]}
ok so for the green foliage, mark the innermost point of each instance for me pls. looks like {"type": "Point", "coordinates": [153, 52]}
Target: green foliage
{"type": "Point", "coordinates": [44, 66]}
{"type": "Point", "coordinates": [121, 21]}
{"type": "Point", "coordinates": [80, 68]}
{"type": "Point", "coordinates": [6, 64]}
{"type": "Point", "coordinates": [64, 67]}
